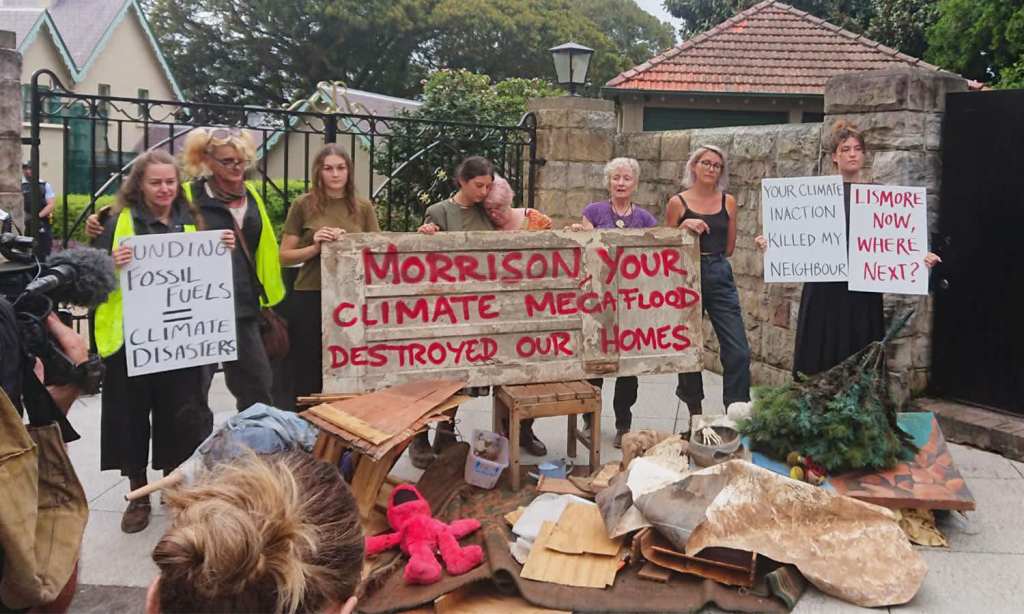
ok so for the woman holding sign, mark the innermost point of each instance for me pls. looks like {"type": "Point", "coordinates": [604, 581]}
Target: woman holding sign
{"type": "Point", "coordinates": [462, 212]}
{"type": "Point", "coordinates": [705, 209]}
{"type": "Point", "coordinates": [149, 202]}
{"type": "Point", "coordinates": [328, 211]}
{"type": "Point", "coordinates": [621, 177]}
{"type": "Point", "coordinates": [835, 322]}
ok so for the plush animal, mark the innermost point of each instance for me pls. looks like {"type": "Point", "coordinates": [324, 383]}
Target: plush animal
{"type": "Point", "coordinates": [420, 534]}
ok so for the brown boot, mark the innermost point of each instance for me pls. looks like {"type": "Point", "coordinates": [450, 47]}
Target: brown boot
{"type": "Point", "coordinates": [444, 437]}
{"type": "Point", "coordinates": [136, 516]}
{"type": "Point", "coordinates": [420, 452]}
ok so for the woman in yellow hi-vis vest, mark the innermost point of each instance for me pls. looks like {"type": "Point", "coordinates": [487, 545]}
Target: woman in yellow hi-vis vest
{"type": "Point", "coordinates": [219, 157]}
{"type": "Point", "coordinates": [150, 202]}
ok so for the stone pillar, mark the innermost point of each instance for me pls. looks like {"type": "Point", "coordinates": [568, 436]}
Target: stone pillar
{"type": "Point", "coordinates": [900, 114]}
{"type": "Point", "coordinates": [10, 128]}
{"type": "Point", "coordinates": [575, 138]}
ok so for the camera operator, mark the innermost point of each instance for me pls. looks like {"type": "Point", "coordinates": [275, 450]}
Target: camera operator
{"type": "Point", "coordinates": [43, 510]}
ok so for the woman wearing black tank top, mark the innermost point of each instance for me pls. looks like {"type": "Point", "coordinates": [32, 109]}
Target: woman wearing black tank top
{"type": "Point", "coordinates": [707, 210]}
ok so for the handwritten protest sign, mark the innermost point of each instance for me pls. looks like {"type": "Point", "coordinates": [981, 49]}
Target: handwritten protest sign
{"type": "Point", "coordinates": [179, 306]}
{"type": "Point", "coordinates": [805, 226]}
{"type": "Point", "coordinates": [509, 307]}
{"type": "Point", "coordinates": [888, 239]}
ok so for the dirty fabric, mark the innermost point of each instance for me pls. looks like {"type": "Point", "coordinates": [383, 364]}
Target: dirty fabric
{"type": "Point", "coordinates": [829, 538]}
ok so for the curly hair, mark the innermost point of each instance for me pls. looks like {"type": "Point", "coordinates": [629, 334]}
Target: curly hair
{"type": "Point", "coordinates": [617, 163]}
{"type": "Point", "coordinates": [201, 141]}
{"type": "Point", "coordinates": [276, 533]}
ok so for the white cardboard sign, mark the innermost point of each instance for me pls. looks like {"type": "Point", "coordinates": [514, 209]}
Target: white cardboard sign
{"type": "Point", "coordinates": [888, 239]}
{"type": "Point", "coordinates": [805, 226]}
{"type": "Point", "coordinates": [179, 305]}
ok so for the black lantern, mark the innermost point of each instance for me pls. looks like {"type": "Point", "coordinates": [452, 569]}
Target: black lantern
{"type": "Point", "coordinates": [571, 64]}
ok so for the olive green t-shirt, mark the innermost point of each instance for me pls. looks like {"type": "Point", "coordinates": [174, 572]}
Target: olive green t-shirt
{"type": "Point", "coordinates": [450, 216]}
{"type": "Point", "coordinates": [303, 222]}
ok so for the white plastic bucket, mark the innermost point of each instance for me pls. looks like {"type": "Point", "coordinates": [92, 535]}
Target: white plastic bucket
{"type": "Point", "coordinates": [481, 472]}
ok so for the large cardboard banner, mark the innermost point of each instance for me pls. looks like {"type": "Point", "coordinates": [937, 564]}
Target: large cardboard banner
{"type": "Point", "coordinates": [509, 307]}
{"type": "Point", "coordinates": [805, 226]}
{"type": "Point", "coordinates": [179, 305]}
{"type": "Point", "coordinates": [888, 239]}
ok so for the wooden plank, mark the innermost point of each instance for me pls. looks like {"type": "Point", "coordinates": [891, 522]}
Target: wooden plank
{"type": "Point", "coordinates": [560, 486]}
{"type": "Point", "coordinates": [583, 390]}
{"type": "Point", "coordinates": [520, 307]}
{"type": "Point", "coordinates": [581, 529]}
{"type": "Point", "coordinates": [484, 598]}
{"type": "Point", "coordinates": [563, 392]}
{"type": "Point", "coordinates": [369, 477]}
{"type": "Point", "coordinates": [652, 572]}
{"type": "Point", "coordinates": [559, 408]}
{"type": "Point", "coordinates": [582, 570]}
{"type": "Point", "coordinates": [350, 423]}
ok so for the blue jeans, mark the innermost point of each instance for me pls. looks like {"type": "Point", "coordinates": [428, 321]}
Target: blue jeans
{"type": "Point", "coordinates": [722, 302]}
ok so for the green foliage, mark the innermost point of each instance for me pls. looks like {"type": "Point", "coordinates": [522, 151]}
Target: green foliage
{"type": "Point", "coordinates": [434, 150]}
{"type": "Point", "coordinates": [77, 204]}
{"type": "Point", "coordinates": [903, 24]}
{"type": "Point", "coordinates": [268, 52]}
{"type": "Point", "coordinates": [980, 39]}
{"type": "Point", "coordinates": [277, 206]}
{"type": "Point", "coordinates": [701, 15]}
{"type": "Point", "coordinates": [842, 418]}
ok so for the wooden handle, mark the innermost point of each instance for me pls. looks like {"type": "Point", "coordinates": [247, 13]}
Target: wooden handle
{"type": "Point", "coordinates": [175, 478]}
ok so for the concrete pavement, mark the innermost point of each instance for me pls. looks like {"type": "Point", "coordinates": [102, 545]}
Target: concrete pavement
{"type": "Point", "coordinates": [979, 573]}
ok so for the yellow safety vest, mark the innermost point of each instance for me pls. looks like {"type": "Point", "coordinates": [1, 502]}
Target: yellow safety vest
{"type": "Point", "coordinates": [109, 322]}
{"type": "Point", "coordinates": [268, 263]}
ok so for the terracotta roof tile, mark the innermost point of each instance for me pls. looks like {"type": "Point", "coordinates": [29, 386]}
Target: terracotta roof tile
{"type": "Point", "coordinates": [769, 48]}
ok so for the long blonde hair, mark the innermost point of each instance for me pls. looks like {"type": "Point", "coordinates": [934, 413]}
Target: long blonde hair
{"type": "Point", "coordinates": [690, 176]}
{"type": "Point", "coordinates": [277, 533]}
{"type": "Point", "coordinates": [201, 141]}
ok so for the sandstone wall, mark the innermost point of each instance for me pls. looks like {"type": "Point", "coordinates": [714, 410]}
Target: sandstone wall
{"type": "Point", "coordinates": [10, 128]}
{"type": "Point", "coordinates": [900, 112]}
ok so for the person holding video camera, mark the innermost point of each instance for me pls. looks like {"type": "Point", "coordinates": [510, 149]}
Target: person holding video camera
{"type": "Point", "coordinates": [169, 407]}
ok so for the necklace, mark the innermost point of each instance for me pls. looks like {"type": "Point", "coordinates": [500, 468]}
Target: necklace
{"type": "Point", "coordinates": [620, 218]}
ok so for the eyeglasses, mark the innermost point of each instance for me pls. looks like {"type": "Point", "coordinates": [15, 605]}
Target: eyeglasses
{"type": "Point", "coordinates": [229, 162]}
{"type": "Point", "coordinates": [711, 166]}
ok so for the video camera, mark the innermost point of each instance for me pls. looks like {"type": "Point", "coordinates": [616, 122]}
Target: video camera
{"type": "Point", "coordinates": [79, 276]}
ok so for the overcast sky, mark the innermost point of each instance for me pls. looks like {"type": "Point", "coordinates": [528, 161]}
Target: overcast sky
{"type": "Point", "coordinates": [655, 8]}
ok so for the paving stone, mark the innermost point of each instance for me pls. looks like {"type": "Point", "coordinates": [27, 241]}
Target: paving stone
{"type": "Point", "coordinates": [974, 463]}
{"type": "Point", "coordinates": [113, 558]}
{"type": "Point", "coordinates": [814, 601]}
{"type": "Point", "coordinates": [996, 526]}
{"type": "Point", "coordinates": [958, 582]}
{"type": "Point", "coordinates": [93, 599]}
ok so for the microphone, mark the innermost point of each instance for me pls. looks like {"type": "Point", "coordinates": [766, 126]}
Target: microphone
{"type": "Point", "coordinates": [80, 276]}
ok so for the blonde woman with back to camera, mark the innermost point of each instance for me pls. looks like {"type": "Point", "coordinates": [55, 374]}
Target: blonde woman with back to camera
{"type": "Point", "coordinates": [276, 533]}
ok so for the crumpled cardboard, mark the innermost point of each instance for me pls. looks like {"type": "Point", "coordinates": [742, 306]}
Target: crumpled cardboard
{"type": "Point", "coordinates": [645, 475]}
{"type": "Point", "coordinates": [849, 549]}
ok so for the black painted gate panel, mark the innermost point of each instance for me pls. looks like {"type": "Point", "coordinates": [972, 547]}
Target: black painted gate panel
{"type": "Point", "coordinates": [978, 334]}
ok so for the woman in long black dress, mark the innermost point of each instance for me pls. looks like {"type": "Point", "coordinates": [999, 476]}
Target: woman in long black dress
{"type": "Point", "coordinates": [835, 322]}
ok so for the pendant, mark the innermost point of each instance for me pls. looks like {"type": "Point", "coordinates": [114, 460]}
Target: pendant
{"type": "Point", "coordinates": [620, 223]}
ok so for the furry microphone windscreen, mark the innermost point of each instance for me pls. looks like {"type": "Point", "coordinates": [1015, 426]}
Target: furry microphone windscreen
{"type": "Point", "coordinates": [94, 277]}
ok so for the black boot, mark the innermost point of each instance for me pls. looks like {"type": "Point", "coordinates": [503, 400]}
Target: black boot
{"type": "Point", "coordinates": [420, 452]}
{"type": "Point", "coordinates": [444, 437]}
{"type": "Point", "coordinates": [529, 442]}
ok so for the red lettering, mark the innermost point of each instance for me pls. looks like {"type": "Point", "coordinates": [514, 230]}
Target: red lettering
{"type": "Point", "coordinates": [670, 258]}
{"type": "Point", "coordinates": [390, 265]}
{"type": "Point", "coordinates": [683, 341]}
{"type": "Point", "coordinates": [885, 272]}
{"type": "Point", "coordinates": [612, 263]}
{"type": "Point", "coordinates": [442, 308]}
{"type": "Point", "coordinates": [419, 311]}
{"type": "Point", "coordinates": [533, 260]}
{"type": "Point", "coordinates": [561, 343]}
{"type": "Point", "coordinates": [567, 303]}
{"type": "Point", "coordinates": [547, 303]}
{"type": "Point", "coordinates": [337, 315]}
{"type": "Point", "coordinates": [467, 266]}
{"type": "Point", "coordinates": [558, 262]}
{"type": "Point", "coordinates": [590, 307]}
{"type": "Point", "coordinates": [339, 358]}
{"type": "Point", "coordinates": [486, 304]}
{"type": "Point", "coordinates": [408, 263]}
{"type": "Point", "coordinates": [514, 274]}
{"type": "Point", "coordinates": [439, 265]}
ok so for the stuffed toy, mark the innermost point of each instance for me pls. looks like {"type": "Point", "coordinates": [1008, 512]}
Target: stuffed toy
{"type": "Point", "coordinates": [420, 535]}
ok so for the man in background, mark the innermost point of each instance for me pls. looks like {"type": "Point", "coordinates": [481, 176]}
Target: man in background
{"type": "Point", "coordinates": [44, 232]}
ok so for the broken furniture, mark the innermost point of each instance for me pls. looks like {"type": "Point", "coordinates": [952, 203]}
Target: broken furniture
{"type": "Point", "coordinates": [513, 404]}
{"type": "Point", "coordinates": [378, 427]}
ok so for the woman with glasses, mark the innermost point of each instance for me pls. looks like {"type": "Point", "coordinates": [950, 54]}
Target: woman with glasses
{"type": "Point", "coordinates": [218, 158]}
{"type": "Point", "coordinates": [621, 178]}
{"type": "Point", "coordinates": [328, 211]}
{"type": "Point", "coordinates": [706, 209]}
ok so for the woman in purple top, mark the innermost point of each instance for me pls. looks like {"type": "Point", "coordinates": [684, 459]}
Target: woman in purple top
{"type": "Point", "coordinates": [621, 175]}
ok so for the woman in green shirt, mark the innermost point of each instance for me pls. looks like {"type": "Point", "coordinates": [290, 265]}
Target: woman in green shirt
{"type": "Point", "coordinates": [326, 212]}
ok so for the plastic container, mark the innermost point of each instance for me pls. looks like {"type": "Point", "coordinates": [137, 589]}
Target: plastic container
{"type": "Point", "coordinates": [481, 472]}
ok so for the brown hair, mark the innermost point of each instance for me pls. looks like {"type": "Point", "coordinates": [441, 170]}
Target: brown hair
{"type": "Point", "coordinates": [276, 533]}
{"type": "Point", "coordinates": [843, 130]}
{"type": "Point", "coordinates": [473, 166]}
{"type": "Point", "coordinates": [201, 141]}
{"type": "Point", "coordinates": [316, 199]}
{"type": "Point", "coordinates": [130, 193]}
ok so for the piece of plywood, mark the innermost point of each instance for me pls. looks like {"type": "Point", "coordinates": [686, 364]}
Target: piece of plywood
{"type": "Point", "coordinates": [581, 529]}
{"type": "Point", "coordinates": [561, 486]}
{"type": "Point", "coordinates": [513, 517]}
{"type": "Point", "coordinates": [498, 308]}
{"type": "Point", "coordinates": [391, 410]}
{"type": "Point", "coordinates": [652, 572]}
{"type": "Point", "coordinates": [581, 570]}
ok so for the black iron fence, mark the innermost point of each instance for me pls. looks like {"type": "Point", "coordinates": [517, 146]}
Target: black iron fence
{"type": "Point", "coordinates": [403, 164]}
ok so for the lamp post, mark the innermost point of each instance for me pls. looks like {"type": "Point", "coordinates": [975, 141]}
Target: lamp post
{"type": "Point", "coordinates": [571, 64]}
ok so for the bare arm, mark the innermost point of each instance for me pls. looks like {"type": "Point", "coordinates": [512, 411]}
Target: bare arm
{"type": "Point", "coordinates": [290, 253]}
{"type": "Point", "coordinates": [730, 239]}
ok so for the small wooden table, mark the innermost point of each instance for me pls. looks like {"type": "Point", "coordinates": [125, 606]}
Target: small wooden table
{"type": "Point", "coordinates": [513, 404]}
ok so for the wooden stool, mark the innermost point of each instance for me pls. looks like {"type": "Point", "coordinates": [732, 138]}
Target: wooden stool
{"type": "Point", "coordinates": [513, 404]}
